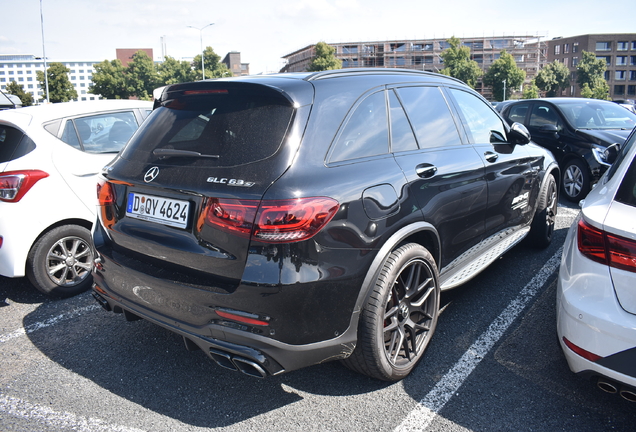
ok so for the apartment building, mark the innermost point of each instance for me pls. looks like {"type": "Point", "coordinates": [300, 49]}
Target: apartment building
{"type": "Point", "coordinates": [530, 53]}
{"type": "Point", "coordinates": [618, 51]}
{"type": "Point", "coordinates": [22, 69]}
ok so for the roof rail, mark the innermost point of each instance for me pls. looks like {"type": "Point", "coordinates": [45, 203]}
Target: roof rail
{"type": "Point", "coordinates": [371, 71]}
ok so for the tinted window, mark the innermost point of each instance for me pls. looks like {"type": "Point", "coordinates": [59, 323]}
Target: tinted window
{"type": "Point", "coordinates": [543, 115]}
{"type": "Point", "coordinates": [233, 126]}
{"type": "Point", "coordinates": [480, 120]}
{"type": "Point", "coordinates": [13, 144]}
{"type": "Point", "coordinates": [402, 138]}
{"type": "Point", "coordinates": [627, 190]}
{"type": "Point", "coordinates": [430, 116]}
{"type": "Point", "coordinates": [517, 113]}
{"type": "Point", "coordinates": [69, 136]}
{"type": "Point", "coordinates": [366, 132]}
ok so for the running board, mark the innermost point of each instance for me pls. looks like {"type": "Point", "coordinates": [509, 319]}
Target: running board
{"type": "Point", "coordinates": [473, 261]}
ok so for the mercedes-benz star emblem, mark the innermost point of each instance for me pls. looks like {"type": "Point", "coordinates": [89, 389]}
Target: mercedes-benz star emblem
{"type": "Point", "coordinates": [151, 174]}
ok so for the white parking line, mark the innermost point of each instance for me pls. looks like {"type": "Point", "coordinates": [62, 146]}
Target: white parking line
{"type": "Point", "coordinates": [425, 411]}
{"type": "Point", "coordinates": [49, 322]}
{"type": "Point", "coordinates": [62, 420]}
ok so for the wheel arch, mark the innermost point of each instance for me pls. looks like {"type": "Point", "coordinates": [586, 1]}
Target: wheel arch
{"type": "Point", "coordinates": [422, 233]}
{"type": "Point", "coordinates": [72, 221]}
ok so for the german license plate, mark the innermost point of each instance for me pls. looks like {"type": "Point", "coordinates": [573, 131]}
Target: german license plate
{"type": "Point", "coordinates": [158, 209]}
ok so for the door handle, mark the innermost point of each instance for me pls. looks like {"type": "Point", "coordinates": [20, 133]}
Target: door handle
{"type": "Point", "coordinates": [425, 170]}
{"type": "Point", "coordinates": [490, 156]}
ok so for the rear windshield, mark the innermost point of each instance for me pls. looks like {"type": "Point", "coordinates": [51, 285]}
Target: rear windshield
{"type": "Point", "coordinates": [13, 144]}
{"type": "Point", "coordinates": [627, 190]}
{"type": "Point", "coordinates": [214, 128]}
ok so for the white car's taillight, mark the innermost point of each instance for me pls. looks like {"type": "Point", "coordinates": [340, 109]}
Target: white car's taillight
{"type": "Point", "coordinates": [15, 184]}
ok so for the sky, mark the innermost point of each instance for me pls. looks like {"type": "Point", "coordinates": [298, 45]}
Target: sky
{"type": "Point", "coordinates": [264, 31]}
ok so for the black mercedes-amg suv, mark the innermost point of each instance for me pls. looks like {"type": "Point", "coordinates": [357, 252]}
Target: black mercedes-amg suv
{"type": "Point", "coordinates": [285, 220]}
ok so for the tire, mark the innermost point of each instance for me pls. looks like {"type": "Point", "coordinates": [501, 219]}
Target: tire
{"type": "Point", "coordinates": [400, 316]}
{"type": "Point", "coordinates": [576, 180]}
{"type": "Point", "coordinates": [60, 262]}
{"type": "Point", "coordinates": [542, 228]}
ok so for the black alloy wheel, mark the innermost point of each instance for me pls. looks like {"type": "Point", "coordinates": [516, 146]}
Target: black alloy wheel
{"type": "Point", "coordinates": [400, 316]}
{"type": "Point", "coordinates": [544, 220]}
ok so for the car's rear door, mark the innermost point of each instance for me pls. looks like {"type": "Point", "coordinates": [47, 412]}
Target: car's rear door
{"type": "Point", "coordinates": [444, 174]}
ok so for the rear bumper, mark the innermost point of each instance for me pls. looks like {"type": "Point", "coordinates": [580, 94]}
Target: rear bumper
{"type": "Point", "coordinates": [252, 354]}
{"type": "Point", "coordinates": [590, 317]}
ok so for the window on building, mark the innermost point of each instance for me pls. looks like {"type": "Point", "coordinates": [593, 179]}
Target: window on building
{"type": "Point", "coordinates": [428, 47]}
{"type": "Point", "coordinates": [603, 46]}
{"type": "Point", "coordinates": [606, 75]}
{"type": "Point", "coordinates": [606, 59]}
{"type": "Point", "coordinates": [634, 45]}
{"type": "Point", "coordinates": [444, 45]}
{"type": "Point", "coordinates": [619, 75]}
{"type": "Point", "coordinates": [20, 72]}
{"type": "Point", "coordinates": [619, 90]}
{"type": "Point", "coordinates": [566, 48]}
{"type": "Point", "coordinates": [346, 49]}
{"type": "Point", "coordinates": [575, 61]}
{"type": "Point", "coordinates": [621, 60]}
{"type": "Point", "coordinates": [632, 60]}
{"type": "Point", "coordinates": [575, 47]}
{"type": "Point", "coordinates": [557, 49]}
{"type": "Point", "coordinates": [566, 61]}
{"type": "Point", "coordinates": [622, 46]}
{"type": "Point", "coordinates": [10, 72]}
{"type": "Point", "coordinates": [20, 79]}
{"type": "Point", "coordinates": [30, 86]}
{"type": "Point", "coordinates": [632, 75]}
{"type": "Point", "coordinates": [631, 90]}
{"type": "Point", "coordinates": [3, 79]}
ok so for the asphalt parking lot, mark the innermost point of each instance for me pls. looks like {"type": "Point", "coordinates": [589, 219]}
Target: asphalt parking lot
{"type": "Point", "coordinates": [494, 364]}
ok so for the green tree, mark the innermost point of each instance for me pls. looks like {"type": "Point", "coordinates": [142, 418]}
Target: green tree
{"type": "Point", "coordinates": [552, 78]}
{"type": "Point", "coordinates": [458, 64]}
{"type": "Point", "coordinates": [141, 76]}
{"type": "Point", "coordinates": [17, 90]}
{"type": "Point", "coordinates": [324, 59]}
{"type": "Point", "coordinates": [590, 76]}
{"type": "Point", "coordinates": [60, 87]}
{"type": "Point", "coordinates": [504, 73]}
{"type": "Point", "coordinates": [214, 68]}
{"type": "Point", "coordinates": [173, 71]}
{"type": "Point", "coordinates": [530, 91]}
{"type": "Point", "coordinates": [598, 90]}
{"type": "Point", "coordinates": [109, 80]}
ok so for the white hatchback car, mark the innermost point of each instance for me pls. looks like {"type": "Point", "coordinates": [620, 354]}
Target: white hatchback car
{"type": "Point", "coordinates": [596, 293]}
{"type": "Point", "coordinates": [49, 158]}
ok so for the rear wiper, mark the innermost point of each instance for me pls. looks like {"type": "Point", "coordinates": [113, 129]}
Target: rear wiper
{"type": "Point", "coordinates": [166, 153]}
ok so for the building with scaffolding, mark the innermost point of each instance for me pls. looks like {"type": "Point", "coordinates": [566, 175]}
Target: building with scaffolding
{"type": "Point", "coordinates": [529, 52]}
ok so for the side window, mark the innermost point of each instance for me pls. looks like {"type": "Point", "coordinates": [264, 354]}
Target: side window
{"type": "Point", "coordinates": [517, 113]}
{"type": "Point", "coordinates": [543, 115]}
{"type": "Point", "coordinates": [481, 122]}
{"type": "Point", "coordinates": [106, 133]}
{"type": "Point", "coordinates": [70, 136]}
{"type": "Point", "coordinates": [430, 116]}
{"type": "Point", "coordinates": [402, 138]}
{"type": "Point", "coordinates": [366, 132]}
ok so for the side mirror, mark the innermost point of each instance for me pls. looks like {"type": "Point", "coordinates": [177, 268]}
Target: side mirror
{"type": "Point", "coordinates": [550, 128]}
{"type": "Point", "coordinates": [518, 134]}
{"type": "Point", "coordinates": [611, 153]}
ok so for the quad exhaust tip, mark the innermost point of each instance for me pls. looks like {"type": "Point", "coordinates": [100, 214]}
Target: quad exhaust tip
{"type": "Point", "coordinates": [236, 363]}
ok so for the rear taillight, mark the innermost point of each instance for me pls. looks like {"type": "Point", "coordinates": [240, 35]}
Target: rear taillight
{"type": "Point", "coordinates": [609, 249]}
{"type": "Point", "coordinates": [271, 221]}
{"type": "Point", "coordinates": [15, 184]}
{"type": "Point", "coordinates": [105, 193]}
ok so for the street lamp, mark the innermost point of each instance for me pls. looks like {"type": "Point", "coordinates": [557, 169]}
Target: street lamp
{"type": "Point", "coordinates": [201, 38]}
{"type": "Point", "coordinates": [46, 75]}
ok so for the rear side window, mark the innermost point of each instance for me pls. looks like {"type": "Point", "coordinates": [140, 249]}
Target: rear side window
{"type": "Point", "coordinates": [430, 116]}
{"type": "Point", "coordinates": [366, 132]}
{"type": "Point", "coordinates": [102, 133]}
{"type": "Point", "coordinates": [13, 144]}
{"type": "Point", "coordinates": [543, 115]}
{"type": "Point", "coordinates": [216, 128]}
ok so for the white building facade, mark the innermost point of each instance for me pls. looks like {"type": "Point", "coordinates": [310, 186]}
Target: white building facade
{"type": "Point", "coordinates": [22, 69]}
